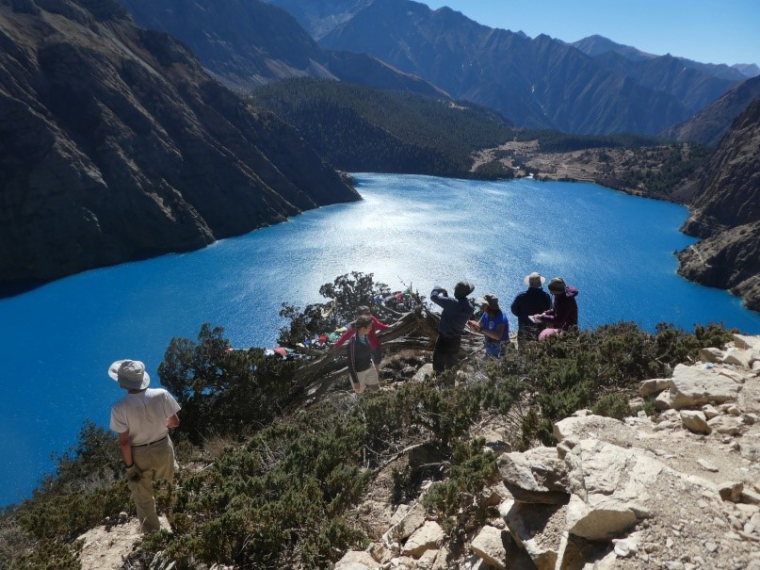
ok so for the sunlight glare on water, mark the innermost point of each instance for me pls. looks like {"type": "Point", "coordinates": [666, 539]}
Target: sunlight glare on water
{"type": "Point", "coordinates": [58, 340]}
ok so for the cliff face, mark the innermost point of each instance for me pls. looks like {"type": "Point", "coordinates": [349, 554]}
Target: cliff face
{"type": "Point", "coordinates": [726, 211]}
{"type": "Point", "coordinates": [115, 144]}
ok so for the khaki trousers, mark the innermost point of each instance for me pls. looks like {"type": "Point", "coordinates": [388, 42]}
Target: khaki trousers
{"type": "Point", "coordinates": [368, 380]}
{"type": "Point", "coordinates": [155, 461]}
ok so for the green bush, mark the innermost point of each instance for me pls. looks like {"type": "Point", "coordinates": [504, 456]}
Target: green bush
{"type": "Point", "coordinates": [221, 390]}
{"type": "Point", "coordinates": [285, 496]}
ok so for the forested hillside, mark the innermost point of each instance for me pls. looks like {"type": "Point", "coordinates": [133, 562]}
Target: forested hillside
{"type": "Point", "coordinates": [359, 129]}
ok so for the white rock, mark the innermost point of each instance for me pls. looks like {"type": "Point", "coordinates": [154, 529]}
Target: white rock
{"type": "Point", "coordinates": [601, 521]}
{"type": "Point", "coordinates": [707, 466]}
{"type": "Point", "coordinates": [727, 425]}
{"type": "Point", "coordinates": [429, 536]}
{"type": "Point", "coordinates": [653, 386]}
{"type": "Point", "coordinates": [538, 530]}
{"type": "Point", "coordinates": [750, 497]}
{"type": "Point", "coordinates": [711, 354]}
{"type": "Point", "coordinates": [357, 560]}
{"type": "Point", "coordinates": [693, 386]}
{"type": "Point", "coordinates": [695, 421]}
{"type": "Point", "coordinates": [664, 400]}
{"type": "Point", "coordinates": [424, 371]}
{"type": "Point", "coordinates": [744, 342]}
{"type": "Point", "coordinates": [536, 476]}
{"type": "Point", "coordinates": [413, 519]}
{"type": "Point", "coordinates": [738, 357]}
{"type": "Point", "coordinates": [489, 546]}
{"type": "Point", "coordinates": [710, 411]}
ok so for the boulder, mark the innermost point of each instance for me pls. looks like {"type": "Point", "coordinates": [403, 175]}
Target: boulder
{"type": "Point", "coordinates": [429, 536]}
{"type": "Point", "coordinates": [653, 386]}
{"type": "Point", "coordinates": [581, 427]}
{"type": "Point", "coordinates": [357, 560]}
{"type": "Point", "coordinates": [727, 425]}
{"type": "Point", "coordinates": [746, 342]}
{"type": "Point", "coordinates": [695, 422]}
{"type": "Point", "coordinates": [693, 386]}
{"type": "Point", "coordinates": [410, 520]}
{"type": "Point", "coordinates": [598, 520]}
{"type": "Point", "coordinates": [538, 530]}
{"type": "Point", "coordinates": [711, 354]}
{"type": "Point", "coordinates": [489, 547]}
{"type": "Point", "coordinates": [536, 476]}
{"type": "Point", "coordinates": [738, 357]}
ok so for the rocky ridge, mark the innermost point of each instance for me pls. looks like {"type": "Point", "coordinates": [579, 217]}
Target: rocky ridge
{"type": "Point", "coordinates": [677, 490]}
{"type": "Point", "coordinates": [726, 213]}
{"type": "Point", "coordinates": [248, 43]}
{"type": "Point", "coordinates": [117, 145]}
{"type": "Point", "coordinates": [710, 124]}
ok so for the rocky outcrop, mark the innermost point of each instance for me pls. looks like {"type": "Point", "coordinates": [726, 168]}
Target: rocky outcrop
{"type": "Point", "coordinates": [647, 492]}
{"type": "Point", "coordinates": [116, 145]}
{"type": "Point", "coordinates": [726, 211]}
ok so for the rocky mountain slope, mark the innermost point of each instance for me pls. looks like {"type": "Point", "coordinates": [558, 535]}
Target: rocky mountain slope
{"type": "Point", "coordinates": [116, 144]}
{"type": "Point", "coordinates": [319, 18]}
{"type": "Point", "coordinates": [676, 488]}
{"type": "Point", "coordinates": [536, 83]}
{"type": "Point", "coordinates": [710, 124]}
{"type": "Point", "coordinates": [248, 43]}
{"type": "Point", "coordinates": [726, 212]}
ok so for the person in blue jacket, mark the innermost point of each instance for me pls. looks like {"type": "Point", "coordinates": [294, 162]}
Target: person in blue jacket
{"type": "Point", "coordinates": [456, 312]}
{"type": "Point", "coordinates": [494, 326]}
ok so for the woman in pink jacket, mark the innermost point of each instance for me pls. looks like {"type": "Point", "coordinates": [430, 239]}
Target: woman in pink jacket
{"type": "Point", "coordinates": [374, 342]}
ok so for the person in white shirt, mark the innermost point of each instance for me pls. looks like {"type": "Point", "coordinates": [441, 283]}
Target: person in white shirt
{"type": "Point", "coordinates": [142, 419]}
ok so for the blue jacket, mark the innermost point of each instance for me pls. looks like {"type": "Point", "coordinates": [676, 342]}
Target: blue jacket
{"type": "Point", "coordinates": [456, 312]}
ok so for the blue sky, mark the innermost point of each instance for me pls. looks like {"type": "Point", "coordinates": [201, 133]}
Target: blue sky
{"type": "Point", "coordinates": [709, 31]}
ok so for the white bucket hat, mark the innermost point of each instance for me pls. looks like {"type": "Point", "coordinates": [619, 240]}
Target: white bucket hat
{"type": "Point", "coordinates": [534, 280]}
{"type": "Point", "coordinates": [130, 374]}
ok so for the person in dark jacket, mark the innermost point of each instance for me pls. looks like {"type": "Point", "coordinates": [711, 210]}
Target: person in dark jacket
{"type": "Point", "coordinates": [361, 370]}
{"type": "Point", "coordinates": [564, 314]}
{"type": "Point", "coordinates": [456, 312]}
{"type": "Point", "coordinates": [534, 300]}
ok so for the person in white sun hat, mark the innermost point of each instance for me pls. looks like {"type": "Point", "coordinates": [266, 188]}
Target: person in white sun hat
{"type": "Point", "coordinates": [142, 419]}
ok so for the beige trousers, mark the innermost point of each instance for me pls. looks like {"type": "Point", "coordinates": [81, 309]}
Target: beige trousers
{"type": "Point", "coordinates": [368, 380]}
{"type": "Point", "coordinates": [156, 461]}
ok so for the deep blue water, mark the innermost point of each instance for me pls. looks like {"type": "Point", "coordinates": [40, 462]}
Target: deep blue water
{"type": "Point", "coordinates": [58, 340]}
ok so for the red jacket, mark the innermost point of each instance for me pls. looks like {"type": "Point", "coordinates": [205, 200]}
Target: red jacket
{"type": "Point", "coordinates": [374, 343]}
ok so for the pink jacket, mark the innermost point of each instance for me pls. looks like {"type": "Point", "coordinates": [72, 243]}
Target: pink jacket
{"type": "Point", "coordinates": [374, 343]}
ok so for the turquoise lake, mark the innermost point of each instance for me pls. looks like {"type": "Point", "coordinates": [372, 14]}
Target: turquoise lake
{"type": "Point", "coordinates": [58, 340]}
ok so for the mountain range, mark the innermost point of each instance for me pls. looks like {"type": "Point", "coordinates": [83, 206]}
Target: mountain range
{"type": "Point", "coordinates": [247, 44]}
{"type": "Point", "coordinates": [117, 144]}
{"type": "Point", "coordinates": [534, 82]}
{"type": "Point", "coordinates": [594, 87]}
